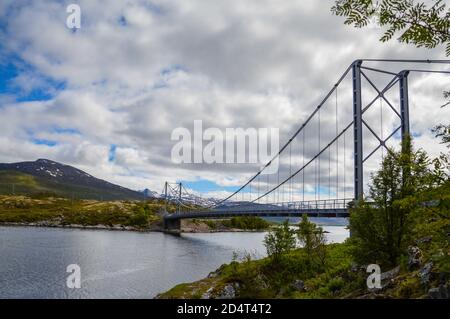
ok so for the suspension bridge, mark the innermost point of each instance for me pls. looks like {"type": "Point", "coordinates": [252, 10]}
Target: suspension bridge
{"type": "Point", "coordinates": [313, 173]}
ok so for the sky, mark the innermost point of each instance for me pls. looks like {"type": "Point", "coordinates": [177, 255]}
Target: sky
{"type": "Point", "coordinates": [107, 97]}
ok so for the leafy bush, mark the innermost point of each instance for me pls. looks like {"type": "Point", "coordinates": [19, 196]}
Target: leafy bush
{"type": "Point", "coordinates": [140, 217]}
{"type": "Point", "coordinates": [313, 240]}
{"type": "Point", "coordinates": [336, 284]}
{"type": "Point", "coordinates": [247, 222]}
{"type": "Point", "coordinates": [279, 241]}
{"type": "Point", "coordinates": [381, 230]}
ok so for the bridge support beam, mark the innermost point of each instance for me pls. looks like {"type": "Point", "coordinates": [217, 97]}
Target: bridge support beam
{"type": "Point", "coordinates": [357, 130]}
{"type": "Point", "coordinates": [404, 103]}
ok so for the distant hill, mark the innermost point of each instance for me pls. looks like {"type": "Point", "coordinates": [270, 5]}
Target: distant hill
{"type": "Point", "coordinates": [46, 176]}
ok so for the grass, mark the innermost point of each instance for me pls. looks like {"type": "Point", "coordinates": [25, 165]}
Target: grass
{"type": "Point", "coordinates": [339, 277]}
{"type": "Point", "coordinates": [62, 211]}
{"type": "Point", "coordinates": [18, 183]}
{"type": "Point", "coordinates": [264, 279]}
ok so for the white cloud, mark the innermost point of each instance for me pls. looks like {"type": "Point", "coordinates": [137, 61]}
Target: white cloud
{"type": "Point", "coordinates": [228, 63]}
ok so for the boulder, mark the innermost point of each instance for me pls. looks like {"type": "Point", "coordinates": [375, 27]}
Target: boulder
{"type": "Point", "coordinates": [217, 272]}
{"type": "Point", "coordinates": [387, 278]}
{"type": "Point", "coordinates": [414, 257]}
{"type": "Point", "coordinates": [207, 294]}
{"type": "Point", "coordinates": [228, 292]}
{"type": "Point", "coordinates": [424, 240]}
{"type": "Point", "coordinates": [441, 292]}
{"type": "Point", "coordinates": [425, 273]}
{"type": "Point", "coordinates": [299, 285]}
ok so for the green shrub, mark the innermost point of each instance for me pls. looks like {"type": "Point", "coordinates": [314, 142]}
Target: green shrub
{"type": "Point", "coordinates": [247, 222]}
{"type": "Point", "coordinates": [279, 241]}
{"type": "Point", "coordinates": [313, 239]}
{"type": "Point", "coordinates": [140, 217]}
{"type": "Point", "coordinates": [335, 284]}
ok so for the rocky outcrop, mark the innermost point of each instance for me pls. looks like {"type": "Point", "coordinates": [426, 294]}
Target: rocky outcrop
{"type": "Point", "coordinates": [387, 277]}
{"type": "Point", "coordinates": [425, 273]}
{"type": "Point", "coordinates": [424, 240]}
{"type": "Point", "coordinates": [414, 257]}
{"type": "Point", "coordinates": [228, 292]}
{"type": "Point", "coordinates": [298, 285]}
{"type": "Point", "coordinates": [441, 292]}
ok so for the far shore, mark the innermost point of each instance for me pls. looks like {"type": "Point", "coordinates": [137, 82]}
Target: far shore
{"type": "Point", "coordinates": [126, 228]}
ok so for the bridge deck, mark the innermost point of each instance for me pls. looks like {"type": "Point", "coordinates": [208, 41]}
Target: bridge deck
{"type": "Point", "coordinates": [311, 212]}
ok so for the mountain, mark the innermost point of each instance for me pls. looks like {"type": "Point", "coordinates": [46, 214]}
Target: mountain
{"type": "Point", "coordinates": [198, 200]}
{"type": "Point", "coordinates": [46, 176]}
{"type": "Point", "coordinates": [150, 194]}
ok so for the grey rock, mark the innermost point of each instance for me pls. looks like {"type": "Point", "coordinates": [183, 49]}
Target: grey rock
{"type": "Point", "coordinates": [228, 292]}
{"type": "Point", "coordinates": [440, 292]}
{"type": "Point", "coordinates": [425, 273]}
{"type": "Point", "coordinates": [358, 268]}
{"type": "Point", "coordinates": [424, 240]}
{"type": "Point", "coordinates": [207, 294]}
{"type": "Point", "coordinates": [414, 257]}
{"type": "Point", "coordinates": [261, 281]}
{"type": "Point", "coordinates": [216, 272]}
{"type": "Point", "coordinates": [387, 278]}
{"type": "Point", "coordinates": [299, 285]}
{"type": "Point", "coordinates": [388, 275]}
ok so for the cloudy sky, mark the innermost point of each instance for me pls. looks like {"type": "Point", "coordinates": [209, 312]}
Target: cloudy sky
{"type": "Point", "coordinates": [107, 97]}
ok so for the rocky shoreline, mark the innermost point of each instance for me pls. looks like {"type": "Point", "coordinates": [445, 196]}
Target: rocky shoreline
{"type": "Point", "coordinates": [78, 226]}
{"type": "Point", "coordinates": [153, 228]}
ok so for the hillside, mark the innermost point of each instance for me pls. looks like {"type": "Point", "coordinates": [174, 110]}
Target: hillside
{"type": "Point", "coordinates": [46, 176]}
{"type": "Point", "coordinates": [64, 212]}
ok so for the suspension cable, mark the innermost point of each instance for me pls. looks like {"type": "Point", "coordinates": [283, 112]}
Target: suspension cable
{"type": "Point", "coordinates": [337, 147]}
{"type": "Point", "coordinates": [278, 181]}
{"type": "Point", "coordinates": [290, 140]}
{"type": "Point", "coordinates": [329, 173]}
{"type": "Point", "coordinates": [303, 164]}
{"type": "Point", "coordinates": [318, 160]}
{"type": "Point", "coordinates": [258, 183]}
{"type": "Point", "coordinates": [393, 81]}
{"type": "Point", "coordinates": [381, 128]}
{"type": "Point", "coordinates": [345, 169]}
{"type": "Point", "coordinates": [290, 172]}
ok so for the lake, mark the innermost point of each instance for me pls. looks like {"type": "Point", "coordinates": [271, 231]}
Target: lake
{"type": "Point", "coordinates": [116, 264]}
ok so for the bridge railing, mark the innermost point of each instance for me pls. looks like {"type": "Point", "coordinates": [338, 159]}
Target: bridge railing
{"type": "Point", "coordinates": [317, 204]}
{"type": "Point", "coordinates": [295, 205]}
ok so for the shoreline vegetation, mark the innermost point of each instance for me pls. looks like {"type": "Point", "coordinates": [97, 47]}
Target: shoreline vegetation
{"type": "Point", "coordinates": [331, 271]}
{"type": "Point", "coordinates": [399, 247]}
{"type": "Point", "coordinates": [42, 210]}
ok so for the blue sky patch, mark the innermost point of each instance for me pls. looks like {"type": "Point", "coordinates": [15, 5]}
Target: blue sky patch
{"type": "Point", "coordinates": [39, 141]}
{"type": "Point", "coordinates": [204, 185]}
{"type": "Point", "coordinates": [12, 67]}
{"type": "Point", "coordinates": [123, 21]}
{"type": "Point", "coordinates": [172, 68]}
{"type": "Point", "coordinates": [112, 153]}
{"type": "Point", "coordinates": [66, 131]}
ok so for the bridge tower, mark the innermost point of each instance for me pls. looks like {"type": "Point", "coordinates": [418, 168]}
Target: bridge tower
{"type": "Point", "coordinates": [358, 122]}
{"type": "Point", "coordinates": [171, 194]}
{"type": "Point", "coordinates": [357, 130]}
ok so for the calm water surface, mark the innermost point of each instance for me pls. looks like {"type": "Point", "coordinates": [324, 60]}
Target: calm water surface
{"type": "Point", "coordinates": [116, 264]}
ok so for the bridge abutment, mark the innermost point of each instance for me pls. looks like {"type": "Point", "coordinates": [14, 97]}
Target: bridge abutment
{"type": "Point", "coordinates": [172, 225]}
